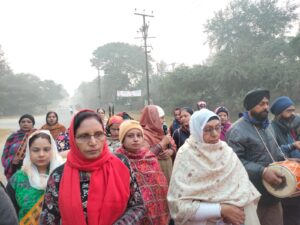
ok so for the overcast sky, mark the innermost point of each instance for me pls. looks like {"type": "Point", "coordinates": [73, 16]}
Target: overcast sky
{"type": "Point", "coordinates": [55, 39]}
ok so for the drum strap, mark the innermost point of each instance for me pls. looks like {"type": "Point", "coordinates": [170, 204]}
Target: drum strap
{"type": "Point", "coordinates": [266, 145]}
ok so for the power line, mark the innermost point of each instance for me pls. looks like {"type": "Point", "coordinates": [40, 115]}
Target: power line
{"type": "Point", "coordinates": [144, 31]}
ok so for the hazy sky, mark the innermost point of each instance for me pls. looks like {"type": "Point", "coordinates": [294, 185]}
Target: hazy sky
{"type": "Point", "coordinates": [55, 39]}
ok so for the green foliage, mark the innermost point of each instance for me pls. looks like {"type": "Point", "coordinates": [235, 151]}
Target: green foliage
{"type": "Point", "coordinates": [250, 49]}
{"type": "Point", "coordinates": [123, 66]}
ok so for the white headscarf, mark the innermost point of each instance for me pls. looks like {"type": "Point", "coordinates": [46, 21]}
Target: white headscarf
{"type": "Point", "coordinates": [198, 121]}
{"type": "Point", "coordinates": [161, 112]}
{"type": "Point", "coordinates": [37, 180]}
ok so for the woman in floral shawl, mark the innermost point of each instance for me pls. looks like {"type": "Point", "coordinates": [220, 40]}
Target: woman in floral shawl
{"type": "Point", "coordinates": [16, 142]}
{"type": "Point", "coordinates": [209, 184]}
{"type": "Point", "coordinates": [27, 186]}
{"type": "Point", "coordinates": [150, 178]}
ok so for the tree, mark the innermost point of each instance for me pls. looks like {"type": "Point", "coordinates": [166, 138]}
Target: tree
{"type": "Point", "coordinates": [123, 66]}
{"type": "Point", "coordinates": [251, 48]}
{"type": "Point", "coordinates": [4, 68]}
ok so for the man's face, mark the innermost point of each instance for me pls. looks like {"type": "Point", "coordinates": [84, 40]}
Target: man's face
{"type": "Point", "coordinates": [288, 114]}
{"type": "Point", "coordinates": [261, 110]}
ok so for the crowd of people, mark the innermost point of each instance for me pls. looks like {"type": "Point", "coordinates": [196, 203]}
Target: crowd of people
{"type": "Point", "coordinates": [201, 169]}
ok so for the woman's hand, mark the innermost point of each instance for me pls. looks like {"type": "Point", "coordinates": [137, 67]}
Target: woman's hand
{"type": "Point", "coordinates": [165, 154]}
{"type": "Point", "coordinates": [16, 160]}
{"type": "Point", "coordinates": [232, 214]}
{"type": "Point", "coordinates": [165, 141]}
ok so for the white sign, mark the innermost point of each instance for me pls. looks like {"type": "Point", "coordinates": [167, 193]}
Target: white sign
{"type": "Point", "coordinates": [136, 93]}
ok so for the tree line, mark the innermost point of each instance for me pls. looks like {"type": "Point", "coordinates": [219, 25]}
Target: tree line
{"type": "Point", "coordinates": [25, 93]}
{"type": "Point", "coordinates": [252, 46]}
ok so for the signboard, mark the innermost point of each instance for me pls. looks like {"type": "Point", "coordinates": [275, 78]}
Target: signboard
{"type": "Point", "coordinates": [136, 93]}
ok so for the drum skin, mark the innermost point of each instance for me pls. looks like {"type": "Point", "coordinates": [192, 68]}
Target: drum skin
{"type": "Point", "coordinates": [290, 187]}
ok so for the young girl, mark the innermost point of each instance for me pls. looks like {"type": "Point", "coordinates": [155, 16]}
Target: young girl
{"type": "Point", "coordinates": [27, 186]}
{"type": "Point", "coordinates": [112, 132]}
{"type": "Point", "coordinates": [150, 177]}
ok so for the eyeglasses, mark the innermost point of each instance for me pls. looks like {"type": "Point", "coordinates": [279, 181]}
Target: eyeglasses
{"type": "Point", "coordinates": [83, 138]}
{"type": "Point", "coordinates": [212, 129]}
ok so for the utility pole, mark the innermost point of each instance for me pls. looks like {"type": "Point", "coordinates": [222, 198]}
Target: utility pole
{"type": "Point", "coordinates": [144, 30]}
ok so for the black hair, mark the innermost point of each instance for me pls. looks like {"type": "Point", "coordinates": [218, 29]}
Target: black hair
{"type": "Point", "coordinates": [39, 135]}
{"type": "Point", "coordinates": [213, 118]}
{"type": "Point", "coordinates": [101, 110]}
{"type": "Point", "coordinates": [48, 113]}
{"type": "Point", "coordinates": [28, 116]}
{"type": "Point", "coordinates": [81, 116]}
{"type": "Point", "coordinates": [187, 109]}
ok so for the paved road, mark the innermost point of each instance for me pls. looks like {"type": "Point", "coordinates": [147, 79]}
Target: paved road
{"type": "Point", "coordinates": [11, 124]}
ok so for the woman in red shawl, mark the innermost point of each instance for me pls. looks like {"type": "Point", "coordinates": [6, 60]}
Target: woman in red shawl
{"type": "Point", "coordinates": [93, 187]}
{"type": "Point", "coordinates": [150, 178]}
{"type": "Point", "coordinates": [160, 144]}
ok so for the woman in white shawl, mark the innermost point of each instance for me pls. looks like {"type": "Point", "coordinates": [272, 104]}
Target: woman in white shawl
{"type": "Point", "coordinates": [27, 186]}
{"type": "Point", "coordinates": [209, 184]}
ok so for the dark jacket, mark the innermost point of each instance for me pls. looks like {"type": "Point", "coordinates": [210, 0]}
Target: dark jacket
{"type": "Point", "coordinates": [250, 149]}
{"type": "Point", "coordinates": [286, 135]}
{"type": "Point", "coordinates": [179, 136]}
{"type": "Point", "coordinates": [8, 214]}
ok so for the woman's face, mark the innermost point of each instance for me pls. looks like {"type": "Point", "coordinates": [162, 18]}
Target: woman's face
{"type": "Point", "coordinates": [90, 138]}
{"type": "Point", "coordinates": [101, 114]}
{"type": "Point", "coordinates": [133, 140]}
{"type": "Point", "coordinates": [40, 153]}
{"type": "Point", "coordinates": [185, 118]}
{"type": "Point", "coordinates": [223, 117]}
{"type": "Point", "coordinates": [26, 124]}
{"type": "Point", "coordinates": [211, 132]}
{"type": "Point", "coordinates": [162, 120]}
{"type": "Point", "coordinates": [51, 119]}
{"type": "Point", "coordinates": [114, 130]}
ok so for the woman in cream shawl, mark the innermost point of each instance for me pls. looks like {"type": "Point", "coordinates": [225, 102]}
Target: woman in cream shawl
{"type": "Point", "coordinates": [209, 184]}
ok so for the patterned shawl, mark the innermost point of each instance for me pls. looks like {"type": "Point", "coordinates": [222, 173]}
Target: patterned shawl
{"type": "Point", "coordinates": [208, 173]}
{"type": "Point", "coordinates": [11, 147]}
{"type": "Point", "coordinates": [152, 183]}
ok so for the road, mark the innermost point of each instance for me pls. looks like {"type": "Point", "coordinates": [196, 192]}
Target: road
{"type": "Point", "coordinates": [11, 124]}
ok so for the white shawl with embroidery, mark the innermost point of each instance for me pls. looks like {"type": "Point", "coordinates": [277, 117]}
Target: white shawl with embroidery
{"type": "Point", "coordinates": [208, 173]}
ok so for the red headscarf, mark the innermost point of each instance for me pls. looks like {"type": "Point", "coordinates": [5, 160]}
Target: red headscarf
{"type": "Point", "coordinates": [108, 193]}
{"type": "Point", "coordinates": [114, 119]}
{"type": "Point", "coordinates": [150, 121]}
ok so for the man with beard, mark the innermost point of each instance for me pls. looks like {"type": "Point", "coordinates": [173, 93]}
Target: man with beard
{"type": "Point", "coordinates": [286, 135]}
{"type": "Point", "coordinates": [252, 139]}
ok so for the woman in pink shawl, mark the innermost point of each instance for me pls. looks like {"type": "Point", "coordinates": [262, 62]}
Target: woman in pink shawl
{"type": "Point", "coordinates": [223, 113]}
{"type": "Point", "coordinates": [160, 144]}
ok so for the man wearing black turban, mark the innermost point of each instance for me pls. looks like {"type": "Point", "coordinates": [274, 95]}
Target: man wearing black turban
{"type": "Point", "coordinates": [253, 141]}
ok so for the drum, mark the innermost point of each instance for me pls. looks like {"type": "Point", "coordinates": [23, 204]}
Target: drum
{"type": "Point", "coordinates": [290, 186]}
